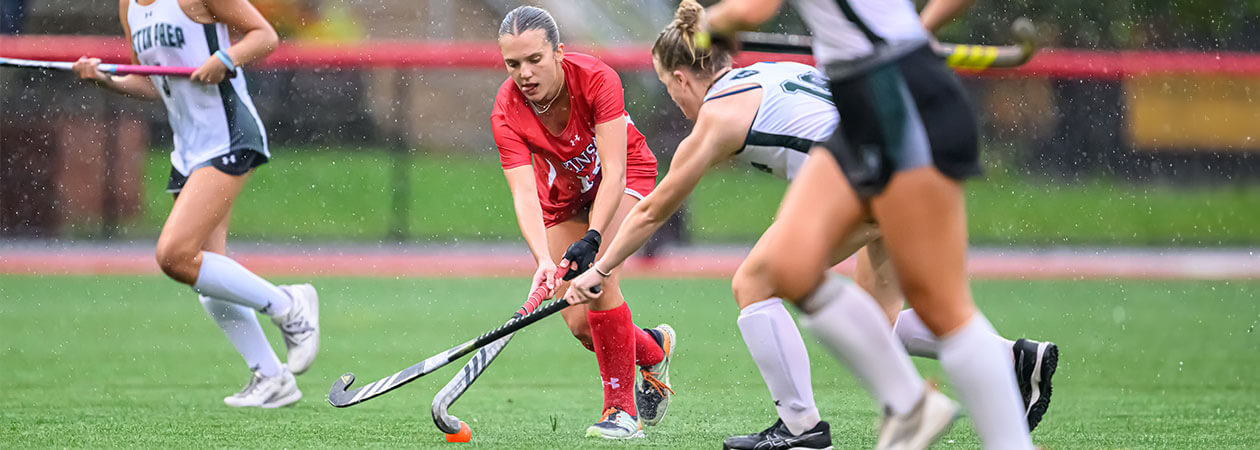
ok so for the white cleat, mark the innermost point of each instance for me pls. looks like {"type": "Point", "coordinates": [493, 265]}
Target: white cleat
{"type": "Point", "coordinates": [300, 326]}
{"type": "Point", "coordinates": [920, 427]}
{"type": "Point", "coordinates": [266, 392]}
{"type": "Point", "coordinates": [616, 424]}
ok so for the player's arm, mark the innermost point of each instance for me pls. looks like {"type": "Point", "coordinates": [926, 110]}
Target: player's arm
{"type": "Point", "coordinates": [528, 211]}
{"type": "Point", "coordinates": [137, 86]}
{"type": "Point", "coordinates": [716, 137]}
{"type": "Point", "coordinates": [938, 13]}
{"type": "Point", "coordinates": [530, 219]}
{"type": "Point", "coordinates": [610, 143]}
{"type": "Point", "coordinates": [258, 38]}
{"type": "Point", "coordinates": [730, 16]}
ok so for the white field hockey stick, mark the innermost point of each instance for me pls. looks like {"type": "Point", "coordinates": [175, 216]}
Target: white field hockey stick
{"type": "Point", "coordinates": [340, 395]}
{"type": "Point", "coordinates": [112, 69]}
{"type": "Point", "coordinates": [961, 56]}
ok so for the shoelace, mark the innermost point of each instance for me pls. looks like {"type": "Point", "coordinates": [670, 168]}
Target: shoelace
{"type": "Point", "coordinates": [254, 382]}
{"type": "Point", "coordinates": [608, 412]}
{"type": "Point", "coordinates": [295, 328]}
{"type": "Point", "coordinates": [655, 384]}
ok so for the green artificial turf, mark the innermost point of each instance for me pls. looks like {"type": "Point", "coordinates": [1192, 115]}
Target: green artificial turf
{"type": "Point", "coordinates": [134, 361]}
{"type": "Point", "coordinates": [305, 195]}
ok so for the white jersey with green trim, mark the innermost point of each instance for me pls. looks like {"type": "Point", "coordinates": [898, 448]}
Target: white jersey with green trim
{"type": "Point", "coordinates": [846, 30]}
{"type": "Point", "coordinates": [796, 113]}
{"type": "Point", "coordinates": [207, 120]}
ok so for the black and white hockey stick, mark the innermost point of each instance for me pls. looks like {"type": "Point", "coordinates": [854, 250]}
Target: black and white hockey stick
{"type": "Point", "coordinates": [455, 388]}
{"type": "Point", "coordinates": [962, 56]}
{"type": "Point", "coordinates": [340, 395]}
{"type": "Point", "coordinates": [113, 69]}
{"type": "Point", "coordinates": [475, 366]}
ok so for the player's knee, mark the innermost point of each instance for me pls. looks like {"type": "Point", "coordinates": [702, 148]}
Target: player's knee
{"type": "Point", "coordinates": [582, 332]}
{"type": "Point", "coordinates": [794, 279]}
{"type": "Point", "coordinates": [176, 260]}
{"type": "Point", "coordinates": [586, 340]}
{"type": "Point", "coordinates": [751, 284]}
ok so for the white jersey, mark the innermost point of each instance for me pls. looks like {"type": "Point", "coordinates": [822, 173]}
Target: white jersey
{"type": "Point", "coordinates": [850, 29]}
{"type": "Point", "coordinates": [796, 113]}
{"type": "Point", "coordinates": [208, 120]}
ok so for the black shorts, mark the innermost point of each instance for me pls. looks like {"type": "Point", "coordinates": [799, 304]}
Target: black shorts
{"type": "Point", "coordinates": [235, 163]}
{"type": "Point", "coordinates": [902, 115]}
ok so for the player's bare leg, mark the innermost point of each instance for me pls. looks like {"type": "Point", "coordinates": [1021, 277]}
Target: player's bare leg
{"type": "Point", "coordinates": [776, 346]}
{"type": "Point", "coordinates": [923, 219]}
{"type": "Point", "coordinates": [818, 212]}
{"type": "Point", "coordinates": [271, 384]}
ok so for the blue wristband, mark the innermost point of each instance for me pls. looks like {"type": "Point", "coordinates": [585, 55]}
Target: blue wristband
{"type": "Point", "coordinates": [227, 60]}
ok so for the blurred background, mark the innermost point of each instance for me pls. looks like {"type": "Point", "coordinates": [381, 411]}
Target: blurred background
{"type": "Point", "coordinates": [1137, 127]}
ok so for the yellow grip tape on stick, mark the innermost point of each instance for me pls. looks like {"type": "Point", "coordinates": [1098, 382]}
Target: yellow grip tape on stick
{"type": "Point", "coordinates": [972, 56]}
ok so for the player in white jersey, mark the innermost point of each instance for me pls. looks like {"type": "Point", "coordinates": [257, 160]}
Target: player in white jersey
{"type": "Point", "coordinates": [767, 115]}
{"type": "Point", "coordinates": [906, 141]}
{"type": "Point", "coordinates": [219, 139]}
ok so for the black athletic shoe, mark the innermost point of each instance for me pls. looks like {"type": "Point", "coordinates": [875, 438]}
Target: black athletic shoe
{"type": "Point", "coordinates": [1035, 363]}
{"type": "Point", "coordinates": [778, 437]}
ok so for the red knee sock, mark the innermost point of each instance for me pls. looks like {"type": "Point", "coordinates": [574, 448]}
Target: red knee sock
{"type": "Point", "coordinates": [613, 334]}
{"type": "Point", "coordinates": [646, 351]}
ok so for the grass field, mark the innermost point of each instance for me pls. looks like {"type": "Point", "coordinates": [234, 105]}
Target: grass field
{"type": "Point", "coordinates": [134, 361]}
{"type": "Point", "coordinates": [347, 195]}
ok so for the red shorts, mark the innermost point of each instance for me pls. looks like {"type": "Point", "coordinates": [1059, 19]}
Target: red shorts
{"type": "Point", "coordinates": [638, 185]}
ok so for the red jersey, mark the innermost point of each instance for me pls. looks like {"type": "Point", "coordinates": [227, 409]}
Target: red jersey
{"type": "Point", "coordinates": [567, 167]}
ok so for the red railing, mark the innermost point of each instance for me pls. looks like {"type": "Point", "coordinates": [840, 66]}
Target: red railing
{"type": "Point", "coordinates": [1051, 63]}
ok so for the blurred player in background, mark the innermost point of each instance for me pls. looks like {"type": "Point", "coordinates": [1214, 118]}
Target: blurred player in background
{"type": "Point", "coordinates": [769, 115]}
{"type": "Point", "coordinates": [905, 141]}
{"type": "Point", "coordinates": [219, 140]}
{"type": "Point", "coordinates": [570, 193]}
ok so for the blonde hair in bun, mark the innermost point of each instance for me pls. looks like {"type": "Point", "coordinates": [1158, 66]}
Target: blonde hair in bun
{"type": "Point", "coordinates": [675, 47]}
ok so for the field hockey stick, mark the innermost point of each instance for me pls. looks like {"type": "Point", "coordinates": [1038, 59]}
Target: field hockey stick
{"type": "Point", "coordinates": [475, 366]}
{"type": "Point", "coordinates": [340, 395]}
{"type": "Point", "coordinates": [112, 69]}
{"type": "Point", "coordinates": [961, 56]}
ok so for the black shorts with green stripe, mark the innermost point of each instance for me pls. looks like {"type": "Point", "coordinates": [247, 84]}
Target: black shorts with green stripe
{"type": "Point", "coordinates": [901, 115]}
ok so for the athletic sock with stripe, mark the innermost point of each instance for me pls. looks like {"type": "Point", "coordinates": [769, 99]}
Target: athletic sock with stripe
{"type": "Point", "coordinates": [612, 332]}
{"type": "Point", "coordinates": [779, 351]}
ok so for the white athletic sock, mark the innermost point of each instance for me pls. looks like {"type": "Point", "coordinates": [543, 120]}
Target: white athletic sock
{"type": "Point", "coordinates": [915, 336]}
{"type": "Point", "coordinates": [225, 279]}
{"type": "Point", "coordinates": [777, 348]}
{"type": "Point", "coordinates": [920, 341]}
{"type": "Point", "coordinates": [849, 323]}
{"type": "Point", "coordinates": [979, 368]}
{"type": "Point", "coordinates": [240, 324]}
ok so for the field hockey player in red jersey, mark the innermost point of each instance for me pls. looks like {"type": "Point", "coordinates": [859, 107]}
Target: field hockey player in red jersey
{"type": "Point", "coordinates": [576, 165]}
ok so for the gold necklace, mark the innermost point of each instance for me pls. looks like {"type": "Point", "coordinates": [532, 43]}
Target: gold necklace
{"type": "Point", "coordinates": [540, 112]}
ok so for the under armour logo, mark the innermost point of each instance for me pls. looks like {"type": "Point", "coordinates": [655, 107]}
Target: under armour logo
{"type": "Point", "coordinates": [614, 382]}
{"type": "Point", "coordinates": [229, 159]}
{"type": "Point", "coordinates": [573, 141]}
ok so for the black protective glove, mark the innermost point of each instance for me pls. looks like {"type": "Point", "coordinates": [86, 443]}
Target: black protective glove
{"type": "Point", "coordinates": [581, 253]}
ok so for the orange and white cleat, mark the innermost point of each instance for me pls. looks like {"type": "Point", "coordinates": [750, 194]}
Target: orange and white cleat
{"type": "Point", "coordinates": [652, 392]}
